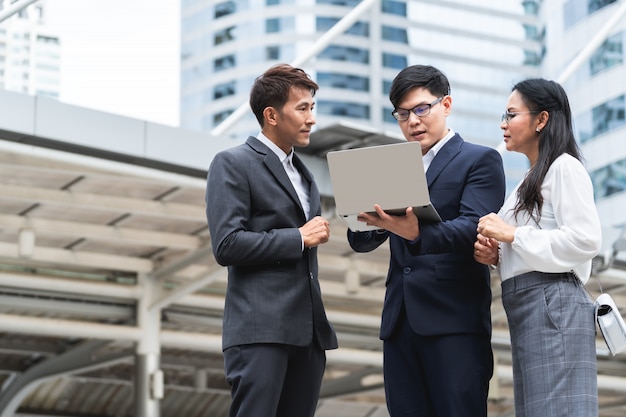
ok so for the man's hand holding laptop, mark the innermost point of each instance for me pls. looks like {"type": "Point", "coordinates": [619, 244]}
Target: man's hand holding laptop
{"type": "Point", "coordinates": [405, 225]}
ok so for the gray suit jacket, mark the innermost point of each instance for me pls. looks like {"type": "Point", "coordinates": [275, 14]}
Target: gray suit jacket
{"type": "Point", "coordinates": [253, 212]}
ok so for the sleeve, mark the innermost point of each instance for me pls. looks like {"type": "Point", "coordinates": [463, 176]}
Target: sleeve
{"type": "Point", "coordinates": [482, 192]}
{"type": "Point", "coordinates": [229, 207]}
{"type": "Point", "coordinates": [578, 237]}
{"type": "Point", "coordinates": [366, 241]}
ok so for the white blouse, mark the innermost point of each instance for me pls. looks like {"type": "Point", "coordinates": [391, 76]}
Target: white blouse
{"type": "Point", "coordinates": [568, 235]}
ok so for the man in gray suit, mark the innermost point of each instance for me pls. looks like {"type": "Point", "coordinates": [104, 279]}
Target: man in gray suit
{"type": "Point", "coordinates": [263, 210]}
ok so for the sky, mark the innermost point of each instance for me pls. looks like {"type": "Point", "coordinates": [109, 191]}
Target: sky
{"type": "Point", "coordinates": [120, 56]}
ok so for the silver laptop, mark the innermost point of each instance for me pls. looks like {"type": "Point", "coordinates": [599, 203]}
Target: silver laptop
{"type": "Point", "coordinates": [391, 176]}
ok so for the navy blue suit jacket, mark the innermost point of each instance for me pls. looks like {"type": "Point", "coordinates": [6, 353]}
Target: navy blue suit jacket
{"type": "Point", "coordinates": [436, 278]}
{"type": "Point", "coordinates": [254, 213]}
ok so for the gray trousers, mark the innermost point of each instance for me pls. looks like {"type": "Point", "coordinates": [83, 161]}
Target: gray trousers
{"type": "Point", "coordinates": [552, 326]}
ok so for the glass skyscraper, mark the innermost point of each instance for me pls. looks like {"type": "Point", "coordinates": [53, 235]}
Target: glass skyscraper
{"type": "Point", "coordinates": [30, 52]}
{"type": "Point", "coordinates": [483, 46]}
{"type": "Point", "coordinates": [596, 89]}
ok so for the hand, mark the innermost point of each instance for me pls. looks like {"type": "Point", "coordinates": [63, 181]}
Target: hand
{"type": "Point", "coordinates": [405, 226]}
{"type": "Point", "coordinates": [486, 250]}
{"type": "Point", "coordinates": [315, 232]}
{"type": "Point", "coordinates": [492, 226]}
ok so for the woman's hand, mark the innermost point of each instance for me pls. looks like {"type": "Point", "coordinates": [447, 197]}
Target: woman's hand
{"type": "Point", "coordinates": [486, 250]}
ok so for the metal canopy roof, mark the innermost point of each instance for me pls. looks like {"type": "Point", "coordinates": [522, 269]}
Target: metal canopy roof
{"type": "Point", "coordinates": [89, 245]}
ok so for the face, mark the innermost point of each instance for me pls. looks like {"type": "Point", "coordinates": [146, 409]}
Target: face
{"type": "Point", "coordinates": [520, 133]}
{"type": "Point", "coordinates": [291, 125]}
{"type": "Point", "coordinates": [428, 129]}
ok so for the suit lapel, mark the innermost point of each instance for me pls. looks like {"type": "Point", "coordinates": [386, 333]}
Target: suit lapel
{"type": "Point", "coordinates": [314, 195]}
{"type": "Point", "coordinates": [276, 168]}
{"type": "Point", "coordinates": [446, 154]}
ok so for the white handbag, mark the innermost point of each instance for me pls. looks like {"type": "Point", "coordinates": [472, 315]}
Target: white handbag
{"type": "Point", "coordinates": [611, 323]}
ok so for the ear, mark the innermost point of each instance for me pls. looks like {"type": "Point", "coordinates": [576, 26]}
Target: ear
{"type": "Point", "coordinates": [446, 103]}
{"type": "Point", "coordinates": [543, 120]}
{"type": "Point", "coordinates": [270, 115]}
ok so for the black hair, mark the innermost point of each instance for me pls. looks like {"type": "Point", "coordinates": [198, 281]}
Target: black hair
{"type": "Point", "coordinates": [273, 87]}
{"type": "Point", "coordinates": [415, 76]}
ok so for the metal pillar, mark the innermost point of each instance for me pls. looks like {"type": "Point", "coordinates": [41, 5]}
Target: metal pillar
{"type": "Point", "coordinates": [16, 7]}
{"type": "Point", "coordinates": [148, 377]}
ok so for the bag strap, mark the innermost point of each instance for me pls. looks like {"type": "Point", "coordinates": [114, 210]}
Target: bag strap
{"type": "Point", "coordinates": [595, 274]}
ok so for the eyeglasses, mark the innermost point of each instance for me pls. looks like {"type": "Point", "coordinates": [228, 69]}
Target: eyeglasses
{"type": "Point", "coordinates": [508, 115]}
{"type": "Point", "coordinates": [420, 111]}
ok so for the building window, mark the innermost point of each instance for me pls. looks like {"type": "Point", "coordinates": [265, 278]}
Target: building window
{"type": "Point", "coordinates": [394, 34]}
{"type": "Point", "coordinates": [224, 9]}
{"type": "Point", "coordinates": [533, 57]}
{"type": "Point", "coordinates": [272, 25]}
{"type": "Point", "coordinates": [609, 54]}
{"type": "Point", "coordinates": [220, 117]}
{"type": "Point", "coordinates": [345, 53]}
{"type": "Point", "coordinates": [276, 25]}
{"type": "Point", "coordinates": [343, 109]}
{"type": "Point", "coordinates": [394, 61]}
{"type": "Point", "coordinates": [324, 24]}
{"type": "Point", "coordinates": [224, 90]}
{"type": "Point", "coordinates": [272, 53]}
{"type": "Point", "coordinates": [601, 119]}
{"type": "Point", "coordinates": [609, 180]}
{"type": "Point", "coordinates": [531, 7]}
{"type": "Point", "coordinates": [224, 35]}
{"type": "Point", "coordinates": [345, 81]}
{"type": "Point", "coordinates": [349, 3]}
{"type": "Point", "coordinates": [394, 7]}
{"type": "Point", "coordinates": [594, 5]}
{"type": "Point", "coordinates": [386, 88]}
{"type": "Point", "coordinates": [387, 117]}
{"type": "Point", "coordinates": [608, 116]}
{"type": "Point", "coordinates": [47, 39]}
{"type": "Point", "coordinates": [576, 10]}
{"type": "Point", "coordinates": [224, 62]}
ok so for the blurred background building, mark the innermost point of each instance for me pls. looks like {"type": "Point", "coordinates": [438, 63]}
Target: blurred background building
{"type": "Point", "coordinates": [30, 53]}
{"type": "Point", "coordinates": [583, 43]}
{"type": "Point", "coordinates": [483, 46]}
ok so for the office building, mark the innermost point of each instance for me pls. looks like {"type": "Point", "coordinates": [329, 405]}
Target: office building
{"type": "Point", "coordinates": [596, 85]}
{"type": "Point", "coordinates": [483, 47]}
{"type": "Point", "coordinates": [30, 53]}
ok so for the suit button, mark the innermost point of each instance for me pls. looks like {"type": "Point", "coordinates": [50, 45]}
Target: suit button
{"type": "Point", "coordinates": [407, 270]}
{"type": "Point", "coordinates": [311, 275]}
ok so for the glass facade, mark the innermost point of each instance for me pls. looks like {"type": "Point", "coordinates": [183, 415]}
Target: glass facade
{"type": "Point", "coordinates": [609, 180]}
{"type": "Point", "coordinates": [346, 81]}
{"type": "Point", "coordinates": [608, 55]}
{"type": "Point", "coordinates": [225, 43]}
{"type": "Point", "coordinates": [576, 10]}
{"type": "Point", "coordinates": [601, 119]}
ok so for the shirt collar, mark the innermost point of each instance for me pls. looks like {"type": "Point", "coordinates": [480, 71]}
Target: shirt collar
{"type": "Point", "coordinates": [282, 156]}
{"type": "Point", "coordinates": [435, 149]}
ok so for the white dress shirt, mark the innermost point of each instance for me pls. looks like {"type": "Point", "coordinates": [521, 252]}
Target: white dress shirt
{"type": "Point", "coordinates": [298, 182]}
{"type": "Point", "coordinates": [568, 235]}
{"type": "Point", "coordinates": [432, 152]}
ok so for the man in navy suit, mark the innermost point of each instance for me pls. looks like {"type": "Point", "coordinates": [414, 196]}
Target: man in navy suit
{"type": "Point", "coordinates": [263, 210]}
{"type": "Point", "coordinates": [436, 320]}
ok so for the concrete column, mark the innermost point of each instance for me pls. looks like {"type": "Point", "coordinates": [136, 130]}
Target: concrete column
{"type": "Point", "coordinates": [149, 384]}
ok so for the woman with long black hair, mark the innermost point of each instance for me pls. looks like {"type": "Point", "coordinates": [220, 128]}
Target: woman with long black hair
{"type": "Point", "coordinates": [543, 241]}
